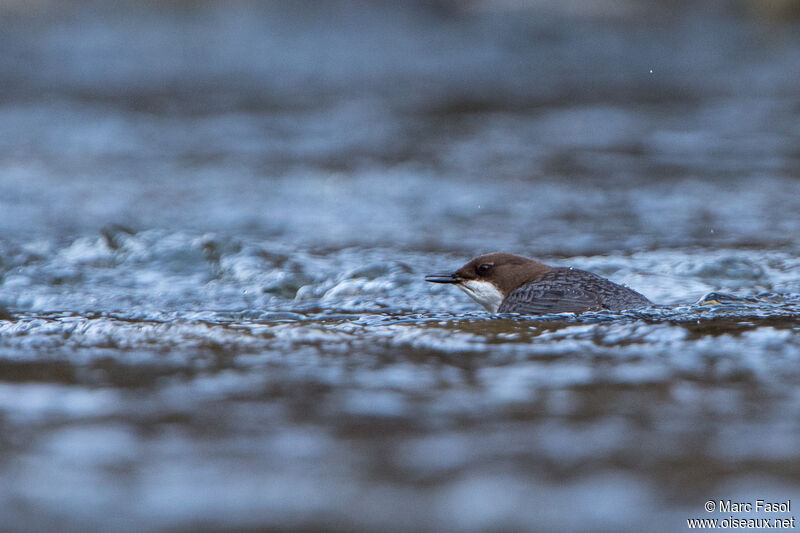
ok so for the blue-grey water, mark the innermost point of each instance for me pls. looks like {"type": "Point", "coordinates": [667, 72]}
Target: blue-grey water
{"type": "Point", "coordinates": [215, 219]}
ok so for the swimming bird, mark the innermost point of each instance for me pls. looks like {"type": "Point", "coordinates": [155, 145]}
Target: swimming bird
{"type": "Point", "coordinates": [507, 283]}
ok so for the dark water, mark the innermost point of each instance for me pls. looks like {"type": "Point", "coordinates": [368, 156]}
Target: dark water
{"type": "Point", "coordinates": [215, 219]}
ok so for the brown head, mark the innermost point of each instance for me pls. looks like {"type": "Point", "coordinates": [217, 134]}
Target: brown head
{"type": "Point", "coordinates": [489, 278]}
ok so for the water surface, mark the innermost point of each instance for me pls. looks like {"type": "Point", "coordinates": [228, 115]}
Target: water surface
{"type": "Point", "coordinates": [215, 220]}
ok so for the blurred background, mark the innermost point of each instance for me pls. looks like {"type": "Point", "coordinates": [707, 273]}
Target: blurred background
{"type": "Point", "coordinates": [215, 217]}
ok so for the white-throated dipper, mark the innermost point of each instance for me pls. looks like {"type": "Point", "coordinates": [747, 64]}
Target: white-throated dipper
{"type": "Point", "coordinates": [507, 283]}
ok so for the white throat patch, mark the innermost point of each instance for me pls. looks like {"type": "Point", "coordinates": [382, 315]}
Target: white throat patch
{"type": "Point", "coordinates": [483, 292]}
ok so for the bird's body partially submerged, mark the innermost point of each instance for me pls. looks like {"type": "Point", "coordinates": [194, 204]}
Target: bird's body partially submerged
{"type": "Point", "coordinates": [506, 283]}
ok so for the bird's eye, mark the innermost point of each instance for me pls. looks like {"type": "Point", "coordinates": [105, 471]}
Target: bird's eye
{"type": "Point", "coordinates": [484, 269]}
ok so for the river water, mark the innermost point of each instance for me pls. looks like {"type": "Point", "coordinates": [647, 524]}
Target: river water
{"type": "Point", "coordinates": [215, 220]}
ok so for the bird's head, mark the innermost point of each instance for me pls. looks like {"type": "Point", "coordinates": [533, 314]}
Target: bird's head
{"type": "Point", "coordinates": [489, 278]}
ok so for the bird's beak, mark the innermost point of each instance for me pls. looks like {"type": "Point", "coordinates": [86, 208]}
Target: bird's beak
{"type": "Point", "coordinates": [443, 278]}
